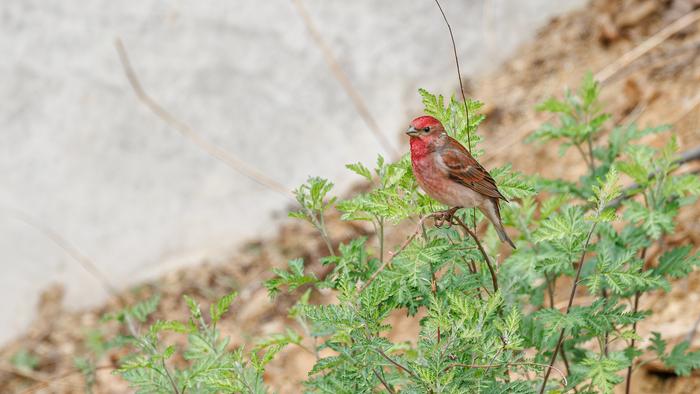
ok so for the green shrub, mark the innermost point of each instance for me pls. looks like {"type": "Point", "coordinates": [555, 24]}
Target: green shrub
{"type": "Point", "coordinates": [485, 327]}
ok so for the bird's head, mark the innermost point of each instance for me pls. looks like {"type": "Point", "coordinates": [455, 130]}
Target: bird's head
{"type": "Point", "coordinates": [425, 128]}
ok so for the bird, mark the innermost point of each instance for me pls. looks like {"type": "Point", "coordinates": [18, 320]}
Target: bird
{"type": "Point", "coordinates": [448, 173]}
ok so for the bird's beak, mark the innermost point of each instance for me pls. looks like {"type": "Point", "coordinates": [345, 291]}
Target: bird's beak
{"type": "Point", "coordinates": [412, 131]}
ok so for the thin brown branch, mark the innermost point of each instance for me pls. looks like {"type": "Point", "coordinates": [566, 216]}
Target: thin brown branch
{"type": "Point", "coordinates": [566, 362]}
{"type": "Point", "coordinates": [433, 289]}
{"type": "Point", "coordinates": [54, 236]}
{"type": "Point", "coordinates": [384, 383]}
{"type": "Point", "coordinates": [395, 363]}
{"type": "Point", "coordinates": [176, 390]}
{"type": "Point", "coordinates": [342, 78]}
{"type": "Point", "coordinates": [403, 246]}
{"type": "Point", "coordinates": [459, 73]}
{"type": "Point", "coordinates": [492, 271]}
{"type": "Point", "coordinates": [550, 288]}
{"type": "Point", "coordinates": [606, 340]}
{"type": "Point", "coordinates": [187, 131]}
{"type": "Point", "coordinates": [628, 383]}
{"type": "Point", "coordinates": [568, 307]}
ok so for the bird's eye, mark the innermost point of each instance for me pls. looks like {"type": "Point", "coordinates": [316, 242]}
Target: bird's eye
{"type": "Point", "coordinates": [426, 129]}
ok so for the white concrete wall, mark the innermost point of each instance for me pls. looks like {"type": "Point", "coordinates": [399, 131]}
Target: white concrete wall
{"type": "Point", "coordinates": [80, 155]}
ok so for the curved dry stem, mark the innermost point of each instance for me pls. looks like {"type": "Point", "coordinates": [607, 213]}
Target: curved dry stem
{"type": "Point", "coordinates": [459, 73]}
{"type": "Point", "coordinates": [236, 164]}
{"type": "Point", "coordinates": [492, 271]}
{"type": "Point", "coordinates": [344, 81]}
{"type": "Point", "coordinates": [568, 308]}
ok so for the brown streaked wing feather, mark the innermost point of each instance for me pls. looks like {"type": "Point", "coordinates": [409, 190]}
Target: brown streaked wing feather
{"type": "Point", "coordinates": [463, 168]}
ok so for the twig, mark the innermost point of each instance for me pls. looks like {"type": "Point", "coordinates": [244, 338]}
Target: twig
{"type": "Point", "coordinates": [344, 81]}
{"type": "Point", "coordinates": [169, 376]}
{"type": "Point", "coordinates": [461, 90]}
{"type": "Point", "coordinates": [607, 333]}
{"type": "Point", "coordinates": [566, 363]}
{"type": "Point", "coordinates": [568, 307]}
{"type": "Point", "coordinates": [236, 164]}
{"type": "Point", "coordinates": [459, 73]}
{"type": "Point", "coordinates": [550, 288]}
{"type": "Point", "coordinates": [433, 289]}
{"type": "Point", "coordinates": [384, 383]}
{"type": "Point", "coordinates": [88, 265]}
{"type": "Point", "coordinates": [628, 384]}
{"type": "Point", "coordinates": [494, 279]}
{"type": "Point", "coordinates": [649, 44]}
{"type": "Point", "coordinates": [401, 248]}
{"type": "Point", "coordinates": [399, 366]}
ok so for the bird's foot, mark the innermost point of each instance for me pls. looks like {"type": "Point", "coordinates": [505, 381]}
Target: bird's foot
{"type": "Point", "coordinates": [444, 218]}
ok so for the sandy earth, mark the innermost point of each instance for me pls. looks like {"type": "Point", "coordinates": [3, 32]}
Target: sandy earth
{"type": "Point", "coordinates": [661, 86]}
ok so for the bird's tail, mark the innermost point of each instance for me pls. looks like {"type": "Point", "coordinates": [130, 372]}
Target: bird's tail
{"type": "Point", "coordinates": [491, 210]}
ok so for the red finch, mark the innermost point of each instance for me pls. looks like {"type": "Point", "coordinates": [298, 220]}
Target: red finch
{"type": "Point", "coordinates": [448, 173]}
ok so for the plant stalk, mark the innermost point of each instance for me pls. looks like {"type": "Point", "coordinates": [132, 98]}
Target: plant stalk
{"type": "Point", "coordinates": [568, 308]}
{"type": "Point", "coordinates": [637, 295]}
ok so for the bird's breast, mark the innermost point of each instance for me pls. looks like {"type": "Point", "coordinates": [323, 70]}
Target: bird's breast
{"type": "Point", "coordinates": [435, 182]}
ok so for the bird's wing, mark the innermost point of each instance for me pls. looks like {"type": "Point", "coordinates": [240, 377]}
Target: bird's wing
{"type": "Point", "coordinates": [462, 168]}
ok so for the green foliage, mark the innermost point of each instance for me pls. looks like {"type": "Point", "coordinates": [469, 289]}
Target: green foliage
{"type": "Point", "coordinates": [679, 358]}
{"type": "Point", "coordinates": [478, 332]}
{"type": "Point", "coordinates": [24, 360]}
{"type": "Point", "coordinates": [293, 278]}
{"type": "Point", "coordinates": [313, 199]}
{"type": "Point", "coordinates": [209, 364]}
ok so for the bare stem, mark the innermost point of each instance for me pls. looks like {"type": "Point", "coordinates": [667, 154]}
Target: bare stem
{"type": "Point", "coordinates": [233, 162]}
{"type": "Point", "coordinates": [550, 289]}
{"type": "Point", "coordinates": [628, 384]}
{"type": "Point", "coordinates": [494, 279]}
{"type": "Point", "coordinates": [384, 383]}
{"type": "Point", "coordinates": [607, 333]}
{"type": "Point", "coordinates": [395, 363]}
{"type": "Point", "coordinates": [321, 224]}
{"type": "Point", "coordinates": [568, 308]}
{"type": "Point", "coordinates": [403, 246]}
{"type": "Point", "coordinates": [381, 239]}
{"type": "Point", "coordinates": [341, 76]}
{"type": "Point", "coordinates": [590, 153]}
{"type": "Point", "coordinates": [459, 73]}
{"type": "Point", "coordinates": [583, 155]}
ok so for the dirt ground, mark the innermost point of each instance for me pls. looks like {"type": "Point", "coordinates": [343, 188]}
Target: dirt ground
{"type": "Point", "coordinates": [660, 84]}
